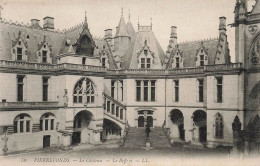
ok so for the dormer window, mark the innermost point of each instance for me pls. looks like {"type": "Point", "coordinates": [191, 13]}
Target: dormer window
{"type": "Point", "coordinates": [19, 49]}
{"type": "Point", "coordinates": [177, 59]}
{"type": "Point", "coordinates": [145, 63]}
{"type": "Point", "coordinates": [103, 62]}
{"type": "Point", "coordinates": [145, 52]}
{"type": "Point", "coordinates": [44, 56]}
{"type": "Point", "coordinates": [44, 52]}
{"type": "Point", "coordinates": [83, 61]}
{"type": "Point", "coordinates": [201, 60]}
{"type": "Point", "coordinates": [202, 56]}
{"type": "Point", "coordinates": [177, 62]}
{"type": "Point", "coordinates": [19, 54]}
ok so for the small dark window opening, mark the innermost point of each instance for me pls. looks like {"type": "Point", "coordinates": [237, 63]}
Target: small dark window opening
{"type": "Point", "coordinates": [45, 85]}
{"type": "Point", "coordinates": [201, 60]}
{"type": "Point", "coordinates": [20, 88]}
{"type": "Point", "coordinates": [103, 61]}
{"type": "Point", "coordinates": [177, 62]}
{"type": "Point", "coordinates": [145, 52]}
{"type": "Point", "coordinates": [201, 85]}
{"type": "Point", "coordinates": [138, 90]}
{"type": "Point", "coordinates": [176, 90]}
{"type": "Point", "coordinates": [219, 89]}
{"type": "Point", "coordinates": [112, 88]}
{"type": "Point", "coordinates": [146, 90]}
{"type": "Point", "coordinates": [83, 61]}
{"type": "Point", "coordinates": [19, 54]}
{"type": "Point", "coordinates": [44, 56]}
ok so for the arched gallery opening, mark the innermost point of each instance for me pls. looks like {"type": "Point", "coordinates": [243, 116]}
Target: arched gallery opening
{"type": "Point", "coordinates": [111, 130]}
{"type": "Point", "coordinates": [178, 124]}
{"type": "Point", "coordinates": [81, 123]}
{"type": "Point", "coordinates": [200, 126]}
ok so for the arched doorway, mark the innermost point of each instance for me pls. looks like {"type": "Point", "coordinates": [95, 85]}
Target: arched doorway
{"type": "Point", "coordinates": [148, 114]}
{"type": "Point", "coordinates": [111, 130]}
{"type": "Point", "coordinates": [178, 120]}
{"type": "Point", "coordinates": [200, 124]}
{"type": "Point", "coordinates": [81, 133]}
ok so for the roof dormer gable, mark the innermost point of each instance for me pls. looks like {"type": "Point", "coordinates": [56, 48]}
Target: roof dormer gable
{"type": "Point", "coordinates": [201, 56]}
{"type": "Point", "coordinates": [19, 49]}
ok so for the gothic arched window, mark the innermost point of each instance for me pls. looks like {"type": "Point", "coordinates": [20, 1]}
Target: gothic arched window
{"type": "Point", "coordinates": [84, 92]}
{"type": "Point", "coordinates": [219, 126]}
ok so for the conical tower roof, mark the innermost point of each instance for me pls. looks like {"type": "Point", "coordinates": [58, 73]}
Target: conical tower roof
{"type": "Point", "coordinates": [130, 30]}
{"type": "Point", "coordinates": [121, 29]}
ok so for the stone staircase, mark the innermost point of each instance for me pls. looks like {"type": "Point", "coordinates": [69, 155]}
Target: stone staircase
{"type": "Point", "coordinates": [159, 138]}
{"type": "Point", "coordinates": [135, 138]}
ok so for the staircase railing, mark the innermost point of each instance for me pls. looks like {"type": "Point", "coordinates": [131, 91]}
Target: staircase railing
{"type": "Point", "coordinates": [114, 109]}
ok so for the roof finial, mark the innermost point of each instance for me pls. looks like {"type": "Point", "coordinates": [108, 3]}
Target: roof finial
{"type": "Point", "coordinates": [1, 12]}
{"type": "Point", "coordinates": [129, 15]}
{"type": "Point", "coordinates": [122, 10]}
{"type": "Point", "coordinates": [86, 16]}
{"type": "Point", "coordinates": [44, 38]}
{"type": "Point", "coordinates": [85, 22]}
{"type": "Point", "coordinates": [151, 23]}
{"type": "Point", "coordinates": [138, 23]}
{"type": "Point", "coordinates": [19, 33]}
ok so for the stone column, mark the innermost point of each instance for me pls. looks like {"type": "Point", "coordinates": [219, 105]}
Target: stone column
{"type": "Point", "coordinates": [188, 127]}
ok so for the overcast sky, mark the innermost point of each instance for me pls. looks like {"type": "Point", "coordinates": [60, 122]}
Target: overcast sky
{"type": "Point", "coordinates": [195, 19]}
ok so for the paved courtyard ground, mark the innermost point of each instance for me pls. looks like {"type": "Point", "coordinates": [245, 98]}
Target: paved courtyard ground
{"type": "Point", "coordinates": [111, 154]}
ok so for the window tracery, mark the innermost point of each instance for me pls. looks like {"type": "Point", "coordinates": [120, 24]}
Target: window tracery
{"type": "Point", "coordinates": [84, 92]}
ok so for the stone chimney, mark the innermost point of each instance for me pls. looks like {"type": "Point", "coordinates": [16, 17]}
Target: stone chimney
{"type": "Point", "coordinates": [108, 34]}
{"type": "Point", "coordinates": [222, 25]}
{"type": "Point", "coordinates": [48, 23]}
{"type": "Point", "coordinates": [35, 22]}
{"type": "Point", "coordinates": [173, 37]}
{"type": "Point", "coordinates": [173, 32]}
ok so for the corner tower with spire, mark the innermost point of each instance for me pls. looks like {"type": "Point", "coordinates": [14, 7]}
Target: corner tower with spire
{"type": "Point", "coordinates": [122, 39]}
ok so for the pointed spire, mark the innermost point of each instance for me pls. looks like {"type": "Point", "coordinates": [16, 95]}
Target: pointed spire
{"type": "Point", "coordinates": [129, 15]}
{"type": "Point", "coordinates": [85, 21]}
{"type": "Point", "coordinates": [138, 23]}
{"type": "Point", "coordinates": [1, 8]}
{"type": "Point", "coordinates": [151, 22]}
{"type": "Point", "coordinates": [86, 16]}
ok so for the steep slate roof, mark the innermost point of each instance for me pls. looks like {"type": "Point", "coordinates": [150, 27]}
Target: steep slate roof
{"type": "Point", "coordinates": [130, 30]}
{"type": "Point", "coordinates": [189, 51]}
{"type": "Point", "coordinates": [103, 46]}
{"type": "Point", "coordinates": [72, 38]}
{"type": "Point", "coordinates": [121, 29]}
{"type": "Point", "coordinates": [129, 60]}
{"type": "Point", "coordinates": [10, 31]}
{"type": "Point", "coordinates": [256, 8]}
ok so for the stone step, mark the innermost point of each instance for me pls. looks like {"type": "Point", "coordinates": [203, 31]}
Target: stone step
{"type": "Point", "coordinates": [136, 138]}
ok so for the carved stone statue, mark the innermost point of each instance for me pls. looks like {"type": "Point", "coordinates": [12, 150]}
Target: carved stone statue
{"type": "Point", "coordinates": [65, 98]}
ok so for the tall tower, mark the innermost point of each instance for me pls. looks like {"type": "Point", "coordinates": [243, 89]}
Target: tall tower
{"type": "Point", "coordinates": [240, 19]}
{"type": "Point", "coordinates": [122, 38]}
